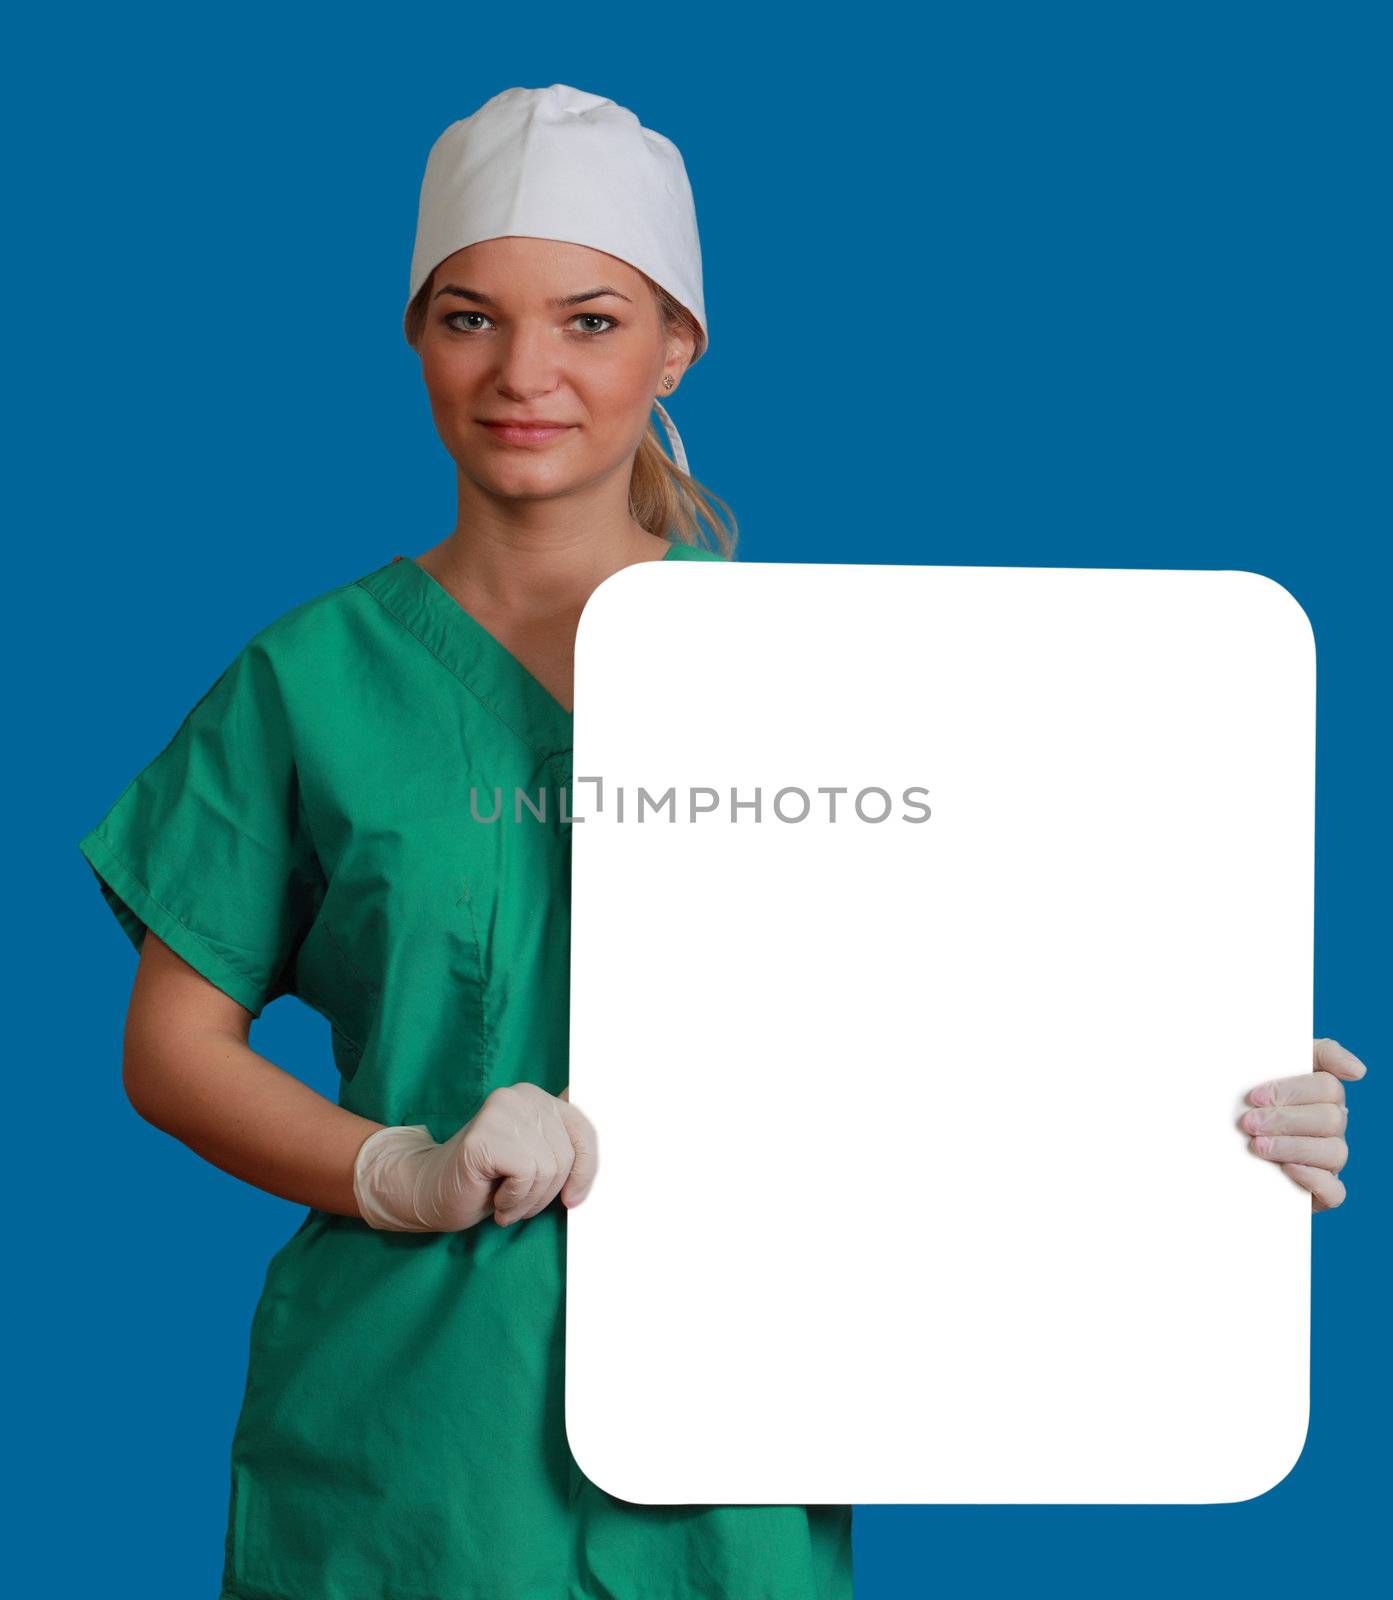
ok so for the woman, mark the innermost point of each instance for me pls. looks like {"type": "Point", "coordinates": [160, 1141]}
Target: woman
{"type": "Point", "coordinates": [310, 829]}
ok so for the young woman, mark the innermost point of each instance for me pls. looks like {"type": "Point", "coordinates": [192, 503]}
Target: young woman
{"type": "Point", "coordinates": [310, 829]}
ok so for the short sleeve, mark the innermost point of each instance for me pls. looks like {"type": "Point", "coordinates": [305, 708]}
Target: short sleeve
{"type": "Point", "coordinates": [207, 844]}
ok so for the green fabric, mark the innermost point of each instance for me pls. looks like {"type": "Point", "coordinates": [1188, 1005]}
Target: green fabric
{"type": "Point", "coordinates": [308, 831]}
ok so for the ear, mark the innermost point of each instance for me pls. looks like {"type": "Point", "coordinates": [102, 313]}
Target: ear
{"type": "Point", "coordinates": [679, 348]}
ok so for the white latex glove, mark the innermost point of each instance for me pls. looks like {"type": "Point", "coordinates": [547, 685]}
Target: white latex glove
{"type": "Point", "coordinates": [511, 1158]}
{"type": "Point", "coordinates": [1302, 1123]}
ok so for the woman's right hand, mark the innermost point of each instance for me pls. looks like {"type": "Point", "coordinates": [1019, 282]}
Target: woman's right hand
{"type": "Point", "coordinates": [512, 1158]}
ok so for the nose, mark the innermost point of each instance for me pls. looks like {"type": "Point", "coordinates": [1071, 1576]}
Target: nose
{"type": "Point", "coordinates": [527, 363]}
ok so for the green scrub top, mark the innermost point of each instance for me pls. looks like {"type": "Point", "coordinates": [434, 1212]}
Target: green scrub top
{"type": "Point", "coordinates": [308, 830]}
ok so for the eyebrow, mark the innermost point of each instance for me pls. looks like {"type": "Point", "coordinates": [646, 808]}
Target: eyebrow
{"type": "Point", "coordinates": [565, 300]}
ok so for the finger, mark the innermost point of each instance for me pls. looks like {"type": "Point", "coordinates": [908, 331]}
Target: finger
{"type": "Point", "coordinates": [1305, 1089]}
{"type": "Point", "coordinates": [1332, 1154]}
{"type": "Point", "coordinates": [565, 1093]}
{"type": "Point", "coordinates": [559, 1145]}
{"type": "Point", "coordinates": [494, 1150]}
{"type": "Point", "coordinates": [544, 1175]}
{"type": "Point", "coordinates": [1320, 1119]}
{"type": "Point", "coordinates": [510, 1198]}
{"type": "Point", "coordinates": [1326, 1189]}
{"type": "Point", "coordinates": [584, 1143]}
{"type": "Point", "coordinates": [529, 1108]}
{"type": "Point", "coordinates": [1331, 1056]}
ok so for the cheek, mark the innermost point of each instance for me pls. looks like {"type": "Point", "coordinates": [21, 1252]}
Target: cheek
{"type": "Point", "coordinates": [619, 394]}
{"type": "Point", "coordinates": [449, 383]}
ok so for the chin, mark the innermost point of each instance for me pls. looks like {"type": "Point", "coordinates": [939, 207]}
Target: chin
{"type": "Point", "coordinates": [530, 476]}
{"type": "Point", "coordinates": [522, 482]}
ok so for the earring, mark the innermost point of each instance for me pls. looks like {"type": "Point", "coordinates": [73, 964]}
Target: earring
{"type": "Point", "coordinates": [667, 380]}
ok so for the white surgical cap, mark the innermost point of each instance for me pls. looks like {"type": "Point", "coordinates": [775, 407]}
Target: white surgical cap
{"type": "Point", "coordinates": [558, 163]}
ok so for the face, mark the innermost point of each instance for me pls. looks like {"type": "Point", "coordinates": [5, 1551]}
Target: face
{"type": "Point", "coordinates": [538, 331]}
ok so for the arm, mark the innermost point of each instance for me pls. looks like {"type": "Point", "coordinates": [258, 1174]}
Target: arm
{"type": "Point", "coordinates": [188, 1070]}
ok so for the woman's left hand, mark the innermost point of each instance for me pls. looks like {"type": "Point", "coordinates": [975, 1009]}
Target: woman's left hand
{"type": "Point", "coordinates": [1301, 1122]}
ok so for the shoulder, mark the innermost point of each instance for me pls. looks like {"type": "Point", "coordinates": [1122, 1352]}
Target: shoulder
{"type": "Point", "coordinates": [314, 633]}
{"type": "Point", "coordinates": [693, 552]}
{"type": "Point", "coordinates": [283, 670]}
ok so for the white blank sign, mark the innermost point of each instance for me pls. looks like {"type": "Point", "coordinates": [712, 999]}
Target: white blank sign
{"type": "Point", "coordinates": [920, 1176]}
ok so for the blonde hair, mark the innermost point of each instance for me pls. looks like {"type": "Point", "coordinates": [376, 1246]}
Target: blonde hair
{"type": "Point", "coordinates": [662, 498]}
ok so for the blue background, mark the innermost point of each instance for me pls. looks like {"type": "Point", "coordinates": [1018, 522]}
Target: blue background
{"type": "Point", "coordinates": [1067, 286]}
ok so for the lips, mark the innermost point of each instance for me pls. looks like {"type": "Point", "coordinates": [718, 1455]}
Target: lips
{"type": "Point", "coordinates": [527, 433]}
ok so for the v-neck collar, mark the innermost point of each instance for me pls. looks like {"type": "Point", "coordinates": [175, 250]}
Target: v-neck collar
{"type": "Point", "coordinates": [481, 662]}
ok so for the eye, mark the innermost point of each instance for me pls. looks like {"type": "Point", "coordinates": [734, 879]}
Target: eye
{"type": "Point", "coordinates": [450, 321]}
{"type": "Point", "coordinates": [595, 316]}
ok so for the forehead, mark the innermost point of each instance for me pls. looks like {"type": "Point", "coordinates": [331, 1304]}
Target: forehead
{"type": "Point", "coordinates": [523, 265]}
